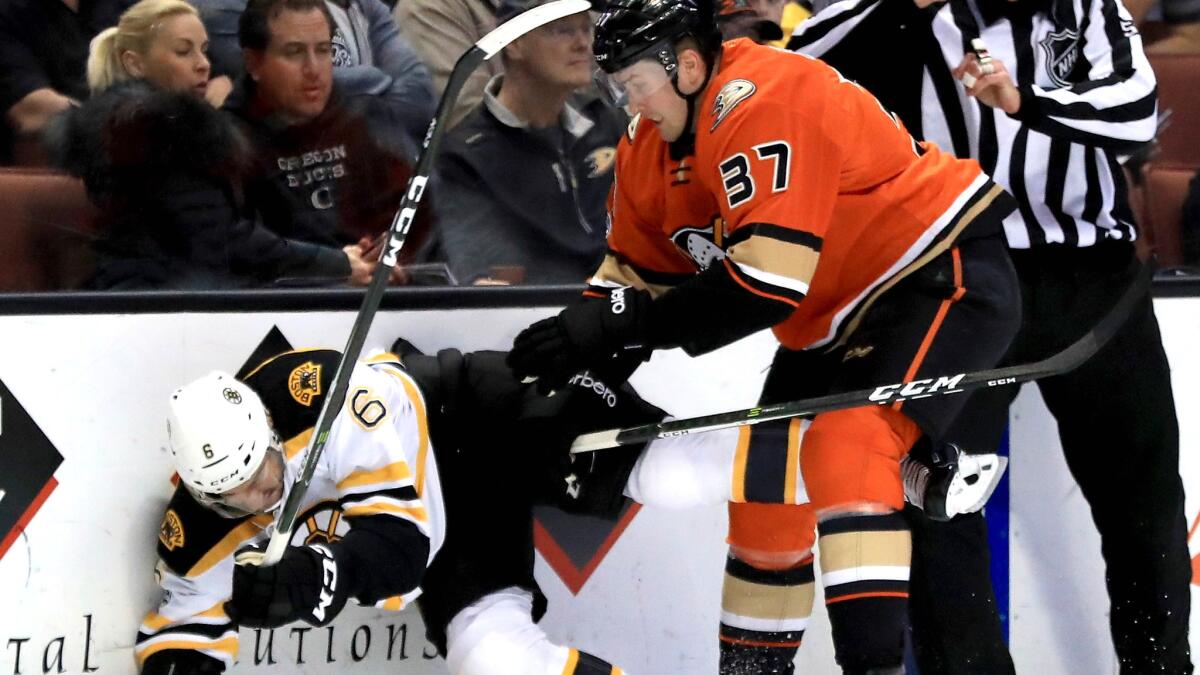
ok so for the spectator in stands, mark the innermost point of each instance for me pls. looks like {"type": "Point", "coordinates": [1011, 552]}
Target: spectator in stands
{"type": "Point", "coordinates": [43, 50]}
{"type": "Point", "coordinates": [786, 14]}
{"type": "Point", "coordinates": [162, 165]}
{"type": "Point", "coordinates": [331, 160]}
{"type": "Point", "coordinates": [736, 18]}
{"type": "Point", "coordinates": [441, 31]}
{"type": "Point", "coordinates": [1182, 19]}
{"type": "Point", "coordinates": [525, 176]}
{"type": "Point", "coordinates": [368, 54]}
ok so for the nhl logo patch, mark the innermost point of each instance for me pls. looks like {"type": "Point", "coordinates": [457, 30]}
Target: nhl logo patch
{"type": "Point", "coordinates": [1061, 50]}
{"type": "Point", "coordinates": [170, 533]}
{"type": "Point", "coordinates": [304, 382]}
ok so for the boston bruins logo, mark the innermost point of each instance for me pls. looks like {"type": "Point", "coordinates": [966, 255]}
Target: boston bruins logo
{"type": "Point", "coordinates": [320, 524]}
{"type": "Point", "coordinates": [304, 383]}
{"type": "Point", "coordinates": [170, 533]}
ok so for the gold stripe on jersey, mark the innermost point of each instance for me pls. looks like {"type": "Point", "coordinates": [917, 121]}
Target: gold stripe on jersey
{"type": "Point", "coordinates": [155, 622]}
{"type": "Point", "coordinates": [290, 352]}
{"type": "Point", "coordinates": [225, 648]}
{"type": "Point", "coordinates": [572, 661]}
{"type": "Point", "coordinates": [418, 403]}
{"type": "Point", "coordinates": [385, 357]}
{"type": "Point", "coordinates": [785, 267]}
{"type": "Point", "coordinates": [795, 436]}
{"type": "Point", "coordinates": [849, 550]}
{"type": "Point", "coordinates": [393, 604]}
{"type": "Point", "coordinates": [416, 513]}
{"type": "Point", "coordinates": [614, 272]}
{"type": "Point", "coordinates": [396, 472]}
{"type": "Point", "coordinates": [939, 247]}
{"type": "Point", "coordinates": [740, 456]}
{"type": "Point", "coordinates": [293, 445]}
{"type": "Point", "coordinates": [230, 543]}
{"type": "Point", "coordinates": [790, 605]}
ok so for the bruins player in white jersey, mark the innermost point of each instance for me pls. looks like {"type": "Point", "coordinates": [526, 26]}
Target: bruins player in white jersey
{"type": "Point", "coordinates": [450, 437]}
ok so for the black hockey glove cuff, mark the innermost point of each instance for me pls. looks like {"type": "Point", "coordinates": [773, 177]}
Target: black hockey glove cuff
{"type": "Point", "coordinates": [709, 311]}
{"type": "Point", "coordinates": [305, 585]}
{"type": "Point", "coordinates": [592, 333]}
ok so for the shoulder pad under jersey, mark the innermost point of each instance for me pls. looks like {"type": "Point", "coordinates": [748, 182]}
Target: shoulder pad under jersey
{"type": "Point", "coordinates": [293, 386]}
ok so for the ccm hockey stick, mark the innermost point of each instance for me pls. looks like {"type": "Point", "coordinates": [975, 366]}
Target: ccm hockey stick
{"type": "Point", "coordinates": [1064, 361]}
{"type": "Point", "coordinates": [487, 47]}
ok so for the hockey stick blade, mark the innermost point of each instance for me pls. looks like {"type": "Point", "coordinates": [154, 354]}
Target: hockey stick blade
{"type": "Point", "coordinates": [487, 47]}
{"type": "Point", "coordinates": [1064, 361]}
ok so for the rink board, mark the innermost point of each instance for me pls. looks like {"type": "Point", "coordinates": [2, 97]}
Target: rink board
{"type": "Point", "coordinates": [76, 577]}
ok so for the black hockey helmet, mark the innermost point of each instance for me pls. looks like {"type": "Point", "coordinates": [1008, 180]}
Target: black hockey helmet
{"type": "Point", "coordinates": [630, 30]}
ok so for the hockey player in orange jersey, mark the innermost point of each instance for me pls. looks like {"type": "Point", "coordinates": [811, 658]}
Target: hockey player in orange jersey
{"type": "Point", "coordinates": [757, 188]}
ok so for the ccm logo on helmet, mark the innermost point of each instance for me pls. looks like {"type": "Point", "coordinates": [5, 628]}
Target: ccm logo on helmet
{"type": "Point", "coordinates": [586, 381]}
{"type": "Point", "coordinates": [926, 387]}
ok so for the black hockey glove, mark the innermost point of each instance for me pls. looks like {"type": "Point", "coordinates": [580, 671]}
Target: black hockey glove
{"type": "Point", "coordinates": [589, 334]}
{"type": "Point", "coordinates": [593, 483]}
{"type": "Point", "coordinates": [182, 662]}
{"type": "Point", "coordinates": [303, 585]}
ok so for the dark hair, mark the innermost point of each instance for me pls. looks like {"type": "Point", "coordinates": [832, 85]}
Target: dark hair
{"type": "Point", "coordinates": [253, 29]}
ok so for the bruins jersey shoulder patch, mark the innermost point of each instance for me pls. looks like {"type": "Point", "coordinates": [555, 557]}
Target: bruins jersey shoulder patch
{"type": "Point", "coordinates": [731, 95]}
{"type": "Point", "coordinates": [170, 533]}
{"type": "Point", "coordinates": [189, 532]}
{"type": "Point", "coordinates": [293, 386]}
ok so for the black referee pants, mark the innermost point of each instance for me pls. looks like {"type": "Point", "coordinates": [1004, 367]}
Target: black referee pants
{"type": "Point", "coordinates": [1116, 420]}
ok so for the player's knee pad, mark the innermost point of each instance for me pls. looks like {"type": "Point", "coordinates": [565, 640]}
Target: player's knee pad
{"type": "Point", "coordinates": [497, 636]}
{"type": "Point", "coordinates": [771, 536]}
{"type": "Point", "coordinates": [851, 458]}
{"type": "Point", "coordinates": [865, 562]}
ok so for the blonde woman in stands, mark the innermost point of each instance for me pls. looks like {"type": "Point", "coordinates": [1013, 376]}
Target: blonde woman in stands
{"type": "Point", "coordinates": [162, 164]}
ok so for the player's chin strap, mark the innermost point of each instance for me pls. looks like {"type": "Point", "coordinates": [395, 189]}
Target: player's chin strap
{"type": "Point", "coordinates": [685, 145]}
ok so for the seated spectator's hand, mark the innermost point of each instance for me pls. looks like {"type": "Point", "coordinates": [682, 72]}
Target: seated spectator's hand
{"type": "Point", "coordinates": [371, 249]}
{"type": "Point", "coordinates": [360, 268]}
{"type": "Point", "coordinates": [218, 89]}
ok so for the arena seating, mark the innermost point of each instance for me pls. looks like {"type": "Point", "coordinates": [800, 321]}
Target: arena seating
{"type": "Point", "coordinates": [46, 224]}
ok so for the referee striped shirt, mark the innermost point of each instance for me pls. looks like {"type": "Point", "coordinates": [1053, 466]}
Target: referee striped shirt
{"type": "Point", "coordinates": [1087, 94]}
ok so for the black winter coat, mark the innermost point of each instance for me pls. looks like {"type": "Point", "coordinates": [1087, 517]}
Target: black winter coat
{"type": "Point", "coordinates": [165, 171]}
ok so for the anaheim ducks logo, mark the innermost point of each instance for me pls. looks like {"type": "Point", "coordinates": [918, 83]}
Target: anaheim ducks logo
{"type": "Point", "coordinates": [600, 161]}
{"type": "Point", "coordinates": [170, 533]}
{"type": "Point", "coordinates": [304, 382]}
{"type": "Point", "coordinates": [699, 244]}
{"type": "Point", "coordinates": [733, 93]}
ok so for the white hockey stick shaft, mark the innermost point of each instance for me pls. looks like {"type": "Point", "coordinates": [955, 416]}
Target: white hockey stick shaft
{"type": "Point", "coordinates": [487, 47]}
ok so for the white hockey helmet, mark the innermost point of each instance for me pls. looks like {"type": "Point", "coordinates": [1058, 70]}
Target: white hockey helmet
{"type": "Point", "coordinates": [219, 434]}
